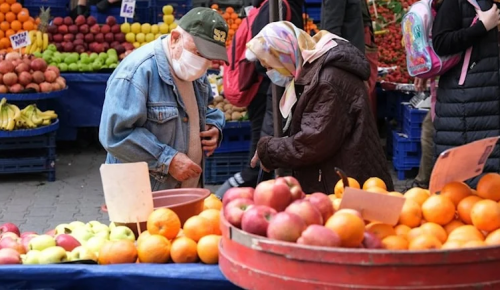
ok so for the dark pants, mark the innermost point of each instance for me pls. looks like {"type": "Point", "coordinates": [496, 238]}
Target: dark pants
{"type": "Point", "coordinates": [427, 159]}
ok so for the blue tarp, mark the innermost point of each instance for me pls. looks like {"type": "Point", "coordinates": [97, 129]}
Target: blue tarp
{"type": "Point", "coordinates": [127, 277]}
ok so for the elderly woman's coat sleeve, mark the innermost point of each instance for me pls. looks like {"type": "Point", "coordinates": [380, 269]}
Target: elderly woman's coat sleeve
{"type": "Point", "coordinates": [320, 134]}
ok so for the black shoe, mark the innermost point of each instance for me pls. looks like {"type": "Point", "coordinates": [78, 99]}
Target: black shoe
{"type": "Point", "coordinates": [415, 183]}
{"type": "Point", "coordinates": [81, 10]}
{"type": "Point", "coordinates": [102, 6]}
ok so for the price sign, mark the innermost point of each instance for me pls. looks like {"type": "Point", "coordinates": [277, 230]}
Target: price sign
{"type": "Point", "coordinates": [20, 40]}
{"type": "Point", "coordinates": [127, 10]}
{"type": "Point", "coordinates": [461, 163]}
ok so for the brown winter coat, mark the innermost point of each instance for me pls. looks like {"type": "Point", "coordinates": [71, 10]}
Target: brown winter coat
{"type": "Point", "coordinates": [332, 125]}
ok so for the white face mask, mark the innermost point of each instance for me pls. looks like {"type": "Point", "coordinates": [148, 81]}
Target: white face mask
{"type": "Point", "coordinates": [189, 66]}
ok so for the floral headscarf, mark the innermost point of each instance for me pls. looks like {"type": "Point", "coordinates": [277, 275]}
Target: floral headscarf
{"type": "Point", "coordinates": [285, 48]}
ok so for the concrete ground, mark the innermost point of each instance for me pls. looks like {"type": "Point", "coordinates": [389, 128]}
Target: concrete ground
{"type": "Point", "coordinates": [37, 205]}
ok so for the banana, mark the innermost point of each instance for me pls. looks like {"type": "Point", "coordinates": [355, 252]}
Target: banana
{"type": "Point", "coordinates": [10, 117]}
{"type": "Point", "coordinates": [39, 39]}
{"type": "Point", "coordinates": [50, 114]}
{"type": "Point", "coordinates": [5, 118]}
{"type": "Point", "coordinates": [35, 118]}
{"type": "Point", "coordinates": [45, 41]}
{"type": "Point", "coordinates": [17, 112]}
{"type": "Point", "coordinates": [46, 122]}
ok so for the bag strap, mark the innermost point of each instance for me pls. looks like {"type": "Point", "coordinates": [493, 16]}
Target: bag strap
{"type": "Point", "coordinates": [468, 52]}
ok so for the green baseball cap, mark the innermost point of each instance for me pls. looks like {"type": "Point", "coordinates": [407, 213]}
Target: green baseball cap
{"type": "Point", "coordinates": [209, 31]}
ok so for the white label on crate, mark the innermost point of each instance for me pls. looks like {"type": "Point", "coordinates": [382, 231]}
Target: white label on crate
{"type": "Point", "coordinates": [215, 90]}
{"type": "Point", "coordinates": [20, 40]}
{"type": "Point", "coordinates": [127, 10]}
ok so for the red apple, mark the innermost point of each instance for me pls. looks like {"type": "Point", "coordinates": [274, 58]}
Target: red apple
{"type": "Point", "coordinates": [15, 244]}
{"type": "Point", "coordinates": [68, 20]}
{"type": "Point", "coordinates": [115, 28]}
{"type": "Point", "coordinates": [52, 29]}
{"type": "Point", "coordinates": [58, 38]}
{"type": "Point", "coordinates": [73, 29]}
{"type": "Point", "coordinates": [236, 192]}
{"type": "Point", "coordinates": [89, 38]}
{"type": "Point", "coordinates": [306, 211]}
{"type": "Point", "coordinates": [9, 257]}
{"type": "Point", "coordinates": [256, 219]}
{"type": "Point", "coordinates": [25, 241]}
{"type": "Point", "coordinates": [28, 234]}
{"type": "Point", "coordinates": [51, 232]}
{"type": "Point", "coordinates": [295, 187]}
{"type": "Point", "coordinates": [91, 21]}
{"type": "Point", "coordinates": [110, 20]}
{"type": "Point", "coordinates": [286, 226]}
{"type": "Point", "coordinates": [350, 211]}
{"type": "Point", "coordinates": [234, 210]}
{"type": "Point", "coordinates": [95, 29]}
{"type": "Point", "coordinates": [105, 29]}
{"type": "Point", "coordinates": [63, 29]}
{"type": "Point", "coordinates": [9, 227]}
{"type": "Point", "coordinates": [316, 235]}
{"type": "Point", "coordinates": [274, 193]}
{"type": "Point", "coordinates": [80, 36]}
{"type": "Point", "coordinates": [80, 20]}
{"type": "Point", "coordinates": [322, 203]}
{"type": "Point", "coordinates": [67, 242]}
{"type": "Point", "coordinates": [9, 235]}
{"type": "Point", "coordinates": [371, 241]}
{"type": "Point", "coordinates": [84, 29]}
{"type": "Point", "coordinates": [99, 38]}
{"type": "Point", "coordinates": [68, 37]}
{"type": "Point", "coordinates": [58, 21]}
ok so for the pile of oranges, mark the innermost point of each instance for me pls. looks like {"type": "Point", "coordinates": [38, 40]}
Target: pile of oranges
{"type": "Point", "coordinates": [13, 19]}
{"type": "Point", "coordinates": [310, 27]}
{"type": "Point", "coordinates": [457, 217]}
{"type": "Point", "coordinates": [233, 21]}
{"type": "Point", "coordinates": [165, 240]}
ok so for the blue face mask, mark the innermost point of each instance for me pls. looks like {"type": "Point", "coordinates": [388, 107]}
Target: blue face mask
{"type": "Point", "coordinates": [277, 78]}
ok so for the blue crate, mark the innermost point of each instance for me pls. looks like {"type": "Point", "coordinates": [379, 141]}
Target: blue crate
{"type": "Point", "coordinates": [58, 8]}
{"type": "Point", "coordinates": [406, 153]}
{"type": "Point", "coordinates": [389, 104]}
{"type": "Point", "coordinates": [40, 164]}
{"type": "Point", "coordinates": [414, 116]}
{"type": "Point", "coordinates": [314, 12]}
{"type": "Point", "coordinates": [236, 137]}
{"type": "Point", "coordinates": [220, 167]}
{"type": "Point", "coordinates": [142, 13]}
{"type": "Point", "coordinates": [181, 7]}
{"type": "Point", "coordinates": [33, 142]}
{"type": "Point", "coordinates": [412, 130]}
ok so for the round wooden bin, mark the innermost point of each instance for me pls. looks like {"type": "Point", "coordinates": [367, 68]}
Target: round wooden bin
{"type": "Point", "coordinates": [254, 262]}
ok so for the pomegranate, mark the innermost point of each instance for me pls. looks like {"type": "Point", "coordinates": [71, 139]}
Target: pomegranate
{"type": "Point", "coordinates": [17, 88]}
{"type": "Point", "coordinates": [14, 55]}
{"type": "Point", "coordinates": [22, 67]}
{"type": "Point", "coordinates": [38, 64]}
{"type": "Point", "coordinates": [56, 86]}
{"type": "Point", "coordinates": [3, 89]}
{"type": "Point", "coordinates": [54, 69]}
{"type": "Point", "coordinates": [50, 76]}
{"type": "Point", "coordinates": [45, 87]}
{"type": "Point", "coordinates": [10, 79]}
{"type": "Point", "coordinates": [38, 77]}
{"type": "Point", "coordinates": [6, 67]}
{"type": "Point", "coordinates": [33, 86]}
{"type": "Point", "coordinates": [62, 82]}
{"type": "Point", "coordinates": [25, 78]}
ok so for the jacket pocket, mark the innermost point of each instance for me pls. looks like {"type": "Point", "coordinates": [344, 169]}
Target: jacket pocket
{"type": "Point", "coordinates": [162, 114]}
{"type": "Point", "coordinates": [162, 122]}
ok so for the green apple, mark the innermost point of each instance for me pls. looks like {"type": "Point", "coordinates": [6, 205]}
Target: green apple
{"type": "Point", "coordinates": [82, 234]}
{"type": "Point", "coordinates": [64, 229]}
{"type": "Point", "coordinates": [52, 255]}
{"type": "Point", "coordinates": [82, 253]}
{"type": "Point", "coordinates": [31, 258]}
{"type": "Point", "coordinates": [95, 244]}
{"type": "Point", "coordinates": [91, 224]}
{"type": "Point", "coordinates": [101, 231]}
{"type": "Point", "coordinates": [42, 242]}
{"type": "Point", "coordinates": [73, 67]}
{"type": "Point", "coordinates": [103, 56]}
{"type": "Point", "coordinates": [93, 56]}
{"type": "Point", "coordinates": [121, 233]}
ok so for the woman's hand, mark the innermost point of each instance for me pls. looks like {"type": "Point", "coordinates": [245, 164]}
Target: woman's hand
{"type": "Point", "coordinates": [420, 84]}
{"type": "Point", "coordinates": [490, 18]}
{"type": "Point", "coordinates": [256, 159]}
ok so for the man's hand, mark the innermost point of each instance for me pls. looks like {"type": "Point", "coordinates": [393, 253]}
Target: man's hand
{"type": "Point", "coordinates": [210, 139]}
{"type": "Point", "coordinates": [182, 168]}
{"type": "Point", "coordinates": [256, 159]}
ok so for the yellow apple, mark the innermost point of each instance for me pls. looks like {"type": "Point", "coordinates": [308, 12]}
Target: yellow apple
{"type": "Point", "coordinates": [146, 28]}
{"type": "Point", "coordinates": [135, 28]}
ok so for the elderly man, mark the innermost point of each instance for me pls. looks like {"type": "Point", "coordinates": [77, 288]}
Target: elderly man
{"type": "Point", "coordinates": [156, 106]}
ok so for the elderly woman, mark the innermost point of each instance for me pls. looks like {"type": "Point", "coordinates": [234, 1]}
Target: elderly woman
{"type": "Point", "coordinates": [326, 106]}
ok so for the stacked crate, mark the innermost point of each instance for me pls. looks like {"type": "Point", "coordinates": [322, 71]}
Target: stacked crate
{"type": "Point", "coordinates": [406, 148]}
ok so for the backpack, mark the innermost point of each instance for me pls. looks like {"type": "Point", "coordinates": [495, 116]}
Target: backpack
{"type": "Point", "coordinates": [241, 80]}
{"type": "Point", "coordinates": [421, 59]}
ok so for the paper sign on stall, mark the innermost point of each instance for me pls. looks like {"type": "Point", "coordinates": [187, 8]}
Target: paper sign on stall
{"type": "Point", "coordinates": [20, 40]}
{"type": "Point", "coordinates": [461, 163]}
{"type": "Point", "coordinates": [127, 9]}
{"type": "Point", "coordinates": [373, 206]}
{"type": "Point", "coordinates": [127, 191]}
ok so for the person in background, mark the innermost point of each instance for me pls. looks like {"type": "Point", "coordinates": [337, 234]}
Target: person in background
{"type": "Point", "coordinates": [156, 105]}
{"type": "Point", "coordinates": [331, 123]}
{"type": "Point", "coordinates": [469, 112]}
{"type": "Point", "coordinates": [371, 53]}
{"type": "Point", "coordinates": [260, 109]}
{"type": "Point", "coordinates": [82, 6]}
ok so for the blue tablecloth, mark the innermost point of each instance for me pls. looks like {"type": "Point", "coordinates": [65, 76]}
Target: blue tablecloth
{"type": "Point", "coordinates": [129, 277]}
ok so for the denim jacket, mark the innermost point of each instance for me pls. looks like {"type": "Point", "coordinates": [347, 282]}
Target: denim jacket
{"type": "Point", "coordinates": [144, 118]}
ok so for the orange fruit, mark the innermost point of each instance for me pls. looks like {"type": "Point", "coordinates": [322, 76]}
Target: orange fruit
{"type": "Point", "coordinates": [213, 216]}
{"type": "Point", "coordinates": [402, 230]}
{"type": "Point", "coordinates": [395, 193]}
{"type": "Point", "coordinates": [456, 191]}
{"type": "Point", "coordinates": [374, 182]}
{"type": "Point", "coordinates": [2, 34]}
{"type": "Point", "coordinates": [10, 1]}
{"type": "Point", "coordinates": [16, 8]}
{"type": "Point", "coordinates": [376, 189]}
{"type": "Point", "coordinates": [2, 17]}
{"type": "Point", "coordinates": [493, 238]}
{"type": "Point", "coordinates": [5, 26]}
{"type": "Point", "coordinates": [229, 10]}
{"type": "Point", "coordinates": [214, 6]}
{"type": "Point", "coordinates": [435, 230]}
{"type": "Point", "coordinates": [395, 243]}
{"type": "Point", "coordinates": [143, 236]}
{"type": "Point", "coordinates": [212, 203]}
{"type": "Point", "coordinates": [473, 191]}
{"type": "Point", "coordinates": [339, 186]}
{"type": "Point", "coordinates": [411, 214]}
{"type": "Point", "coordinates": [465, 206]}
{"type": "Point", "coordinates": [425, 242]}
{"type": "Point", "coordinates": [380, 230]}
{"type": "Point", "coordinates": [226, 16]}
{"type": "Point", "coordinates": [438, 209]}
{"type": "Point", "coordinates": [208, 249]}
{"type": "Point", "coordinates": [118, 252]}
{"type": "Point", "coordinates": [485, 215]}
{"type": "Point", "coordinates": [453, 244]}
{"type": "Point", "coordinates": [4, 8]}
{"type": "Point", "coordinates": [16, 25]}
{"type": "Point", "coordinates": [165, 222]}
{"type": "Point", "coordinates": [336, 204]}
{"type": "Point", "coordinates": [474, 244]}
{"type": "Point", "coordinates": [418, 195]}
{"type": "Point", "coordinates": [10, 17]}
{"type": "Point", "coordinates": [9, 33]}
{"type": "Point", "coordinates": [413, 233]}
{"type": "Point", "coordinates": [28, 26]}
{"type": "Point", "coordinates": [184, 250]}
{"type": "Point", "coordinates": [452, 225]}
{"type": "Point", "coordinates": [349, 227]}
{"type": "Point", "coordinates": [466, 233]}
{"type": "Point", "coordinates": [5, 42]}
{"type": "Point", "coordinates": [154, 249]}
{"type": "Point", "coordinates": [196, 227]}
{"type": "Point", "coordinates": [488, 186]}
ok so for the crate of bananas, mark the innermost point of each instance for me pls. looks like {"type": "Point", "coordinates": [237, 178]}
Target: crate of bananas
{"type": "Point", "coordinates": [12, 118]}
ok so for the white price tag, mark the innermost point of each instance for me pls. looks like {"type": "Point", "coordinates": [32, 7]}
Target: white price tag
{"type": "Point", "coordinates": [215, 90]}
{"type": "Point", "coordinates": [127, 10]}
{"type": "Point", "coordinates": [20, 40]}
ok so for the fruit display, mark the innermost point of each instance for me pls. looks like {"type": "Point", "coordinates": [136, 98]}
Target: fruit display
{"type": "Point", "coordinates": [85, 35]}
{"type": "Point", "coordinates": [310, 27]}
{"type": "Point", "coordinates": [14, 19]}
{"type": "Point", "coordinates": [458, 217]}
{"type": "Point", "coordinates": [19, 73]}
{"type": "Point", "coordinates": [231, 112]}
{"type": "Point", "coordinates": [83, 62]}
{"type": "Point", "coordinates": [163, 241]}
{"type": "Point", "coordinates": [233, 21]}
{"type": "Point", "coordinates": [39, 42]}
{"type": "Point", "coordinates": [168, 17]}
{"type": "Point", "coordinates": [388, 38]}
{"type": "Point", "coordinates": [137, 34]}
{"type": "Point", "coordinates": [11, 118]}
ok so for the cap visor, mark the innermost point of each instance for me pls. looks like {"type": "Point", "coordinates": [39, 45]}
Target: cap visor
{"type": "Point", "coordinates": [210, 50]}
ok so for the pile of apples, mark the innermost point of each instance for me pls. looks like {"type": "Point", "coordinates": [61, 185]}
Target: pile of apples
{"type": "Point", "coordinates": [75, 241]}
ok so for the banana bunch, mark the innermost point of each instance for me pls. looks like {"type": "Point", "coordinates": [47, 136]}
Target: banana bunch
{"type": "Point", "coordinates": [9, 114]}
{"type": "Point", "coordinates": [39, 41]}
{"type": "Point", "coordinates": [31, 117]}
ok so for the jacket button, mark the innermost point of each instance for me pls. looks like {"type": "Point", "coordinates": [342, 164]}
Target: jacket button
{"type": "Point", "coordinates": [185, 119]}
